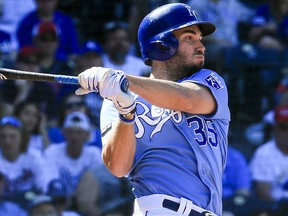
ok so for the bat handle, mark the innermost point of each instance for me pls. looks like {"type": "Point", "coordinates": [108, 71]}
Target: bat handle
{"type": "Point", "coordinates": [67, 79]}
{"type": "Point", "coordinates": [124, 85]}
{"type": "Point", "coordinates": [74, 80]}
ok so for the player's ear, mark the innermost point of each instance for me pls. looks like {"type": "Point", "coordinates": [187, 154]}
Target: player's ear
{"type": "Point", "coordinates": [162, 47]}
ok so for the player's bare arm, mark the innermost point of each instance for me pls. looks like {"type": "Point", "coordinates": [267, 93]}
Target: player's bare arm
{"type": "Point", "coordinates": [119, 150]}
{"type": "Point", "coordinates": [187, 97]}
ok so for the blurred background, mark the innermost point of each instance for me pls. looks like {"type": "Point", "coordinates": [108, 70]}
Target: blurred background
{"type": "Point", "coordinates": [50, 141]}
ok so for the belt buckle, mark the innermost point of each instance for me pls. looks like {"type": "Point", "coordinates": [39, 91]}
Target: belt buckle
{"type": "Point", "coordinates": [207, 213]}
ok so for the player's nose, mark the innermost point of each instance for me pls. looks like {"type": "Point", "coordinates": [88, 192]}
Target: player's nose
{"type": "Point", "coordinates": [200, 47]}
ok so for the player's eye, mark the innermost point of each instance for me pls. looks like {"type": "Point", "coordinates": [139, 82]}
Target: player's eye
{"type": "Point", "coordinates": [189, 38]}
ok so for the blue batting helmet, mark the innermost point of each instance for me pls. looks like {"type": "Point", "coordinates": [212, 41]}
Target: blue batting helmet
{"type": "Point", "coordinates": [155, 36]}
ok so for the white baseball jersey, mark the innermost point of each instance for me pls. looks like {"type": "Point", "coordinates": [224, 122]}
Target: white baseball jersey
{"type": "Point", "coordinates": [36, 143]}
{"type": "Point", "coordinates": [269, 164]}
{"type": "Point", "coordinates": [26, 173]}
{"type": "Point", "coordinates": [67, 169]}
{"type": "Point", "coordinates": [180, 154]}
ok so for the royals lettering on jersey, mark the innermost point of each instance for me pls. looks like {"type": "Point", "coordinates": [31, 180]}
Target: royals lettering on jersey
{"type": "Point", "coordinates": [191, 147]}
{"type": "Point", "coordinates": [154, 117]}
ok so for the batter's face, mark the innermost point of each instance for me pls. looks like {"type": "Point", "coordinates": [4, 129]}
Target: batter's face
{"type": "Point", "coordinates": [189, 57]}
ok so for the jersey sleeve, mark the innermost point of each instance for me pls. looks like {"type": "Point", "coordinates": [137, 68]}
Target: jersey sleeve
{"type": "Point", "coordinates": [216, 84]}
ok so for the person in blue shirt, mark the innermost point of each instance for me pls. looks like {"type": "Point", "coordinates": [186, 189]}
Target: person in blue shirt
{"type": "Point", "coordinates": [269, 25]}
{"type": "Point", "coordinates": [46, 11]}
{"type": "Point", "coordinates": [167, 133]}
{"type": "Point", "coordinates": [236, 177]}
{"type": "Point", "coordinates": [6, 49]}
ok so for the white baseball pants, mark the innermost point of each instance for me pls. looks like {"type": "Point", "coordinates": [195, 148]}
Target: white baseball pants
{"type": "Point", "coordinates": [153, 205]}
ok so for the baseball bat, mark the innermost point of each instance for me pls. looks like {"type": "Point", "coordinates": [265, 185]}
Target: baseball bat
{"type": "Point", "coordinates": [6, 73]}
{"type": "Point", "coordinates": [11, 74]}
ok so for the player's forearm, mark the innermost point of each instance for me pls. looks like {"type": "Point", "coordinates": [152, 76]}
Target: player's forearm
{"type": "Point", "coordinates": [119, 150]}
{"type": "Point", "coordinates": [157, 92]}
{"type": "Point", "coordinates": [186, 97]}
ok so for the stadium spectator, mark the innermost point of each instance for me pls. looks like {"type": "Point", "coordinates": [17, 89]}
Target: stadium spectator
{"type": "Point", "coordinates": [236, 177]}
{"type": "Point", "coordinates": [11, 13]}
{"type": "Point", "coordinates": [64, 205]}
{"type": "Point", "coordinates": [88, 56]}
{"type": "Point", "coordinates": [237, 186]}
{"type": "Point", "coordinates": [91, 15]}
{"type": "Point", "coordinates": [269, 24]}
{"type": "Point", "coordinates": [46, 40]}
{"type": "Point", "coordinates": [35, 123]}
{"type": "Point", "coordinates": [46, 11]}
{"type": "Point", "coordinates": [5, 108]}
{"type": "Point", "coordinates": [116, 45]}
{"type": "Point", "coordinates": [46, 37]}
{"type": "Point", "coordinates": [69, 159]}
{"type": "Point", "coordinates": [8, 208]}
{"type": "Point", "coordinates": [101, 193]}
{"type": "Point", "coordinates": [227, 14]}
{"type": "Point", "coordinates": [23, 171]}
{"type": "Point", "coordinates": [26, 90]}
{"type": "Point", "coordinates": [266, 52]}
{"type": "Point", "coordinates": [74, 103]}
{"type": "Point", "coordinates": [42, 205]}
{"type": "Point", "coordinates": [269, 162]}
{"type": "Point", "coordinates": [71, 103]}
{"type": "Point", "coordinates": [6, 49]}
{"type": "Point", "coordinates": [26, 60]}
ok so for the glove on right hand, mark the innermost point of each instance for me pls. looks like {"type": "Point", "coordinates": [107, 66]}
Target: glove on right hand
{"type": "Point", "coordinates": [111, 87]}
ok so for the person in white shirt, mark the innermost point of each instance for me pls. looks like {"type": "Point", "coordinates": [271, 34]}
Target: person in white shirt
{"type": "Point", "coordinates": [117, 45]}
{"type": "Point", "coordinates": [23, 170]}
{"type": "Point", "coordinates": [269, 164]}
{"type": "Point", "coordinates": [70, 158]}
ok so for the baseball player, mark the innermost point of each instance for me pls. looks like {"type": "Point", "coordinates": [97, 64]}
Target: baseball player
{"type": "Point", "coordinates": [169, 136]}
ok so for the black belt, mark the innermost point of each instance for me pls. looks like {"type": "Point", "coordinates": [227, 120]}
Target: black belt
{"type": "Point", "coordinates": [174, 206]}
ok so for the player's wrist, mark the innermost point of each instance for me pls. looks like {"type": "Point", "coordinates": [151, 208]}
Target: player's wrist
{"type": "Point", "coordinates": [129, 119]}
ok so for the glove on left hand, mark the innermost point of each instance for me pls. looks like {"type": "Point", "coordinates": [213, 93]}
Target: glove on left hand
{"type": "Point", "coordinates": [90, 78]}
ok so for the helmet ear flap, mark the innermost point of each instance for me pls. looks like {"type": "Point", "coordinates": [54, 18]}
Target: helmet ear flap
{"type": "Point", "coordinates": [162, 47]}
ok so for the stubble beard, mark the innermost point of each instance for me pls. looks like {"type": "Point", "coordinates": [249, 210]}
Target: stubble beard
{"type": "Point", "coordinates": [180, 66]}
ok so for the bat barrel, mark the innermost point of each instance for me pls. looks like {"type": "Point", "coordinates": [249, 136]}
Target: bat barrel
{"type": "Point", "coordinates": [35, 76]}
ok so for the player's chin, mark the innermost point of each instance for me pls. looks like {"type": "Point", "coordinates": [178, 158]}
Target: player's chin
{"type": "Point", "coordinates": [199, 61]}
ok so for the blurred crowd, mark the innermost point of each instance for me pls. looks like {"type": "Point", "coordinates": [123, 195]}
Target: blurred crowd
{"type": "Point", "coordinates": [50, 141]}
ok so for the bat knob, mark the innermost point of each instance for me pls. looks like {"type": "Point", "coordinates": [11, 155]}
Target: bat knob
{"type": "Point", "coordinates": [124, 85]}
